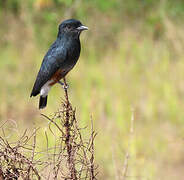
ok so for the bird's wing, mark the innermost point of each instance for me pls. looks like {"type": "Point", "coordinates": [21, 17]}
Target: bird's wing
{"type": "Point", "coordinates": [52, 61]}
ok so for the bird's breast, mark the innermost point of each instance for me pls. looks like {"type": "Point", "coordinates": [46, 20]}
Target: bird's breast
{"type": "Point", "coordinates": [73, 52]}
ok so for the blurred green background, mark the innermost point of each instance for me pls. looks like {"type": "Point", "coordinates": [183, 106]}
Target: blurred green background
{"type": "Point", "coordinates": [131, 64]}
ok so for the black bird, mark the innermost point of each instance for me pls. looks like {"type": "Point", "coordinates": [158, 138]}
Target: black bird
{"type": "Point", "coordinates": [59, 60]}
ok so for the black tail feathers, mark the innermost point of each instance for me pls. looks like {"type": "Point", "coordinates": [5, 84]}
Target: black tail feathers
{"type": "Point", "coordinates": [43, 102]}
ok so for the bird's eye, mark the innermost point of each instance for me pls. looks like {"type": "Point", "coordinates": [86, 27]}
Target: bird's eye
{"type": "Point", "coordinates": [69, 27]}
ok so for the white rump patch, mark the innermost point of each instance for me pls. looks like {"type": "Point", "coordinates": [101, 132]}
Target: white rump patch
{"type": "Point", "coordinates": [45, 88]}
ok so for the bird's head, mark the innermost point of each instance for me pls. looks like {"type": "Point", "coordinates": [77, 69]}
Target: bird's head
{"type": "Point", "coordinates": [72, 27]}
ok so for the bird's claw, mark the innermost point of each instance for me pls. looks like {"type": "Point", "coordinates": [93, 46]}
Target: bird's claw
{"type": "Point", "coordinates": [64, 86]}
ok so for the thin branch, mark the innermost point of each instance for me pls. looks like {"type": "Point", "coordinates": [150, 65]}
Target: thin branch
{"type": "Point", "coordinates": [127, 156]}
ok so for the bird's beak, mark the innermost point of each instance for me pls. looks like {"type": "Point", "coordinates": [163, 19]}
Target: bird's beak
{"type": "Point", "coordinates": [82, 28]}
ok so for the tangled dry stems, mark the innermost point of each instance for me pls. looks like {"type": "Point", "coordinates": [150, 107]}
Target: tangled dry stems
{"type": "Point", "coordinates": [72, 156]}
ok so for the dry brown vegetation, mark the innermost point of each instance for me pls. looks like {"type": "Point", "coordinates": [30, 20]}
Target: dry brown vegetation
{"type": "Point", "coordinates": [72, 157]}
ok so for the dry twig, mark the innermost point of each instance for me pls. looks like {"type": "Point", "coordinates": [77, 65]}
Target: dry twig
{"type": "Point", "coordinates": [71, 158]}
{"type": "Point", "coordinates": [127, 156]}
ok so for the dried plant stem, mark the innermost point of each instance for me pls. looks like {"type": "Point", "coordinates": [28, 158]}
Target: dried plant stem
{"type": "Point", "coordinates": [127, 156]}
{"type": "Point", "coordinates": [71, 158]}
{"type": "Point", "coordinates": [92, 175]}
{"type": "Point", "coordinates": [68, 140]}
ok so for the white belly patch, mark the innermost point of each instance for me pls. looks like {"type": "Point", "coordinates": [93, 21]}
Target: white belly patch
{"type": "Point", "coordinates": [45, 88]}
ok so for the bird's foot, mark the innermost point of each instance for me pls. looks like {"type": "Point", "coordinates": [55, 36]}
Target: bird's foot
{"type": "Point", "coordinates": [63, 85]}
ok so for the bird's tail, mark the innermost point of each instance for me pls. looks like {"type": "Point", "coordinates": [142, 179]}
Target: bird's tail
{"type": "Point", "coordinates": [43, 102]}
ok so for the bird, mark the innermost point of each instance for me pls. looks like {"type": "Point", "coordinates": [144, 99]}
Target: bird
{"type": "Point", "coordinates": [60, 58]}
